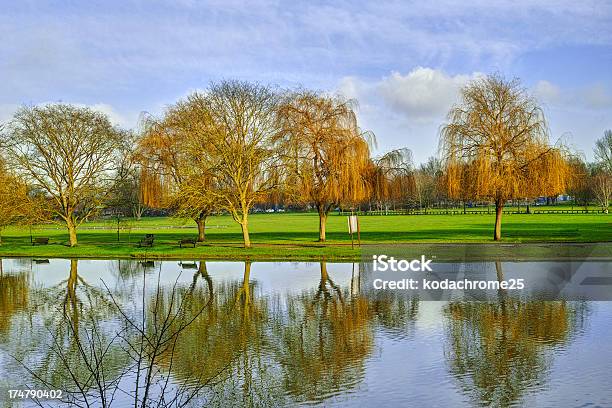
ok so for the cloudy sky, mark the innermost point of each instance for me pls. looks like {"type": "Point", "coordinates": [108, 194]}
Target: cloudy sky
{"type": "Point", "coordinates": [404, 61]}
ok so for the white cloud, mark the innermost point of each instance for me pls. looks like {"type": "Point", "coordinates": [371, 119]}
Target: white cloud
{"type": "Point", "coordinates": [423, 93]}
{"type": "Point", "coordinates": [406, 110]}
{"type": "Point", "coordinates": [590, 97]}
{"type": "Point", "coordinates": [547, 91]}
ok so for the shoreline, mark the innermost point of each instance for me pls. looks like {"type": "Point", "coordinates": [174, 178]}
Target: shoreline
{"type": "Point", "coordinates": [449, 252]}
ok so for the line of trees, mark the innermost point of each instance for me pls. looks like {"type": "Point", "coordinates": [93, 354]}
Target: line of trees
{"type": "Point", "coordinates": [237, 146]}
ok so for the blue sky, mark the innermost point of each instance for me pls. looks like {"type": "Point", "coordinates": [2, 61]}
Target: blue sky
{"type": "Point", "coordinates": [404, 61]}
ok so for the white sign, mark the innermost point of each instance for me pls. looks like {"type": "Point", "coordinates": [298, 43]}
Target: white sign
{"type": "Point", "coordinates": [352, 224]}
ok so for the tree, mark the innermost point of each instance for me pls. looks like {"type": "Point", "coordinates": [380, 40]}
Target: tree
{"type": "Point", "coordinates": [69, 153]}
{"type": "Point", "coordinates": [602, 173]}
{"type": "Point", "coordinates": [391, 178]}
{"type": "Point", "coordinates": [129, 191]}
{"type": "Point", "coordinates": [13, 199]}
{"type": "Point", "coordinates": [603, 151]}
{"type": "Point", "coordinates": [580, 181]}
{"type": "Point", "coordinates": [188, 127]}
{"type": "Point", "coordinates": [325, 152]}
{"type": "Point", "coordinates": [234, 146]}
{"type": "Point", "coordinates": [168, 175]}
{"type": "Point", "coordinates": [496, 146]}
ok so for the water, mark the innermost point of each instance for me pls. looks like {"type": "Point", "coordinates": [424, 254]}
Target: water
{"type": "Point", "coordinates": [278, 334]}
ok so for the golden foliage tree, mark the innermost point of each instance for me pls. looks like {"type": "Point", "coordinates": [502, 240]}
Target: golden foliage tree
{"type": "Point", "coordinates": [392, 179]}
{"type": "Point", "coordinates": [14, 200]}
{"type": "Point", "coordinates": [496, 146]}
{"type": "Point", "coordinates": [68, 152]}
{"type": "Point", "coordinates": [169, 160]}
{"type": "Point", "coordinates": [325, 152]}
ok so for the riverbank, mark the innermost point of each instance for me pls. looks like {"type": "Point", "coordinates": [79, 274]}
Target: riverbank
{"type": "Point", "coordinates": [331, 252]}
{"type": "Point", "coordinates": [281, 237]}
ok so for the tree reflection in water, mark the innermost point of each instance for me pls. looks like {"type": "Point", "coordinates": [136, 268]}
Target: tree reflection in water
{"type": "Point", "coordinates": [323, 337]}
{"type": "Point", "coordinates": [322, 340]}
{"type": "Point", "coordinates": [225, 345]}
{"type": "Point", "coordinates": [272, 350]}
{"type": "Point", "coordinates": [221, 342]}
{"type": "Point", "coordinates": [14, 294]}
{"type": "Point", "coordinates": [499, 350]}
{"type": "Point", "coordinates": [72, 340]}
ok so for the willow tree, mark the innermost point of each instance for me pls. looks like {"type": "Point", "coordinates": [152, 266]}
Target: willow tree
{"type": "Point", "coordinates": [14, 200]}
{"type": "Point", "coordinates": [166, 151]}
{"type": "Point", "coordinates": [68, 152]}
{"type": "Point", "coordinates": [325, 152]}
{"type": "Point", "coordinates": [391, 178]}
{"type": "Point", "coordinates": [496, 146]}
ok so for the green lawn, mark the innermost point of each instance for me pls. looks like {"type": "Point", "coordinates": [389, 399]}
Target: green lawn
{"type": "Point", "coordinates": [281, 236]}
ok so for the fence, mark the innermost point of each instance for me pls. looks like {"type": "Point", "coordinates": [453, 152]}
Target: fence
{"type": "Point", "coordinates": [461, 212]}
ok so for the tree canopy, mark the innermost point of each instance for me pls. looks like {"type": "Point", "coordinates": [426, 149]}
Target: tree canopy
{"type": "Point", "coordinates": [496, 146]}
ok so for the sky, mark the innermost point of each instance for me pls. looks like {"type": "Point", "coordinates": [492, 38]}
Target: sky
{"type": "Point", "coordinates": [403, 61]}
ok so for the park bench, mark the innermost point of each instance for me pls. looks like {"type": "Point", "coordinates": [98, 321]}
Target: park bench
{"type": "Point", "coordinates": [147, 241]}
{"type": "Point", "coordinates": [187, 241]}
{"type": "Point", "coordinates": [188, 265]}
{"type": "Point", "coordinates": [40, 241]}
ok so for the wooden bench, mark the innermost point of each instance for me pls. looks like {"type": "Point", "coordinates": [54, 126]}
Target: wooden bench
{"type": "Point", "coordinates": [147, 241]}
{"type": "Point", "coordinates": [187, 241]}
{"type": "Point", "coordinates": [188, 265]}
{"type": "Point", "coordinates": [40, 241]}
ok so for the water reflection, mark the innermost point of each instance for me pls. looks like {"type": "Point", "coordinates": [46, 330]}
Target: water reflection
{"type": "Point", "coordinates": [14, 295]}
{"type": "Point", "coordinates": [497, 350]}
{"type": "Point", "coordinates": [322, 337]}
{"type": "Point", "coordinates": [254, 334]}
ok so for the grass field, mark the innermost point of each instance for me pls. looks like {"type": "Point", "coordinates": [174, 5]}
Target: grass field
{"type": "Point", "coordinates": [293, 236]}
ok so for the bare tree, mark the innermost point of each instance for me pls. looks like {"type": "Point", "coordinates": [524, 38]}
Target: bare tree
{"type": "Point", "coordinates": [603, 151]}
{"type": "Point", "coordinates": [325, 152]}
{"type": "Point", "coordinates": [69, 153]}
{"type": "Point", "coordinates": [428, 180]}
{"type": "Point", "coordinates": [233, 146]}
{"type": "Point", "coordinates": [496, 146]}
{"type": "Point", "coordinates": [133, 361]}
{"type": "Point", "coordinates": [602, 177]}
{"type": "Point", "coordinates": [130, 189]}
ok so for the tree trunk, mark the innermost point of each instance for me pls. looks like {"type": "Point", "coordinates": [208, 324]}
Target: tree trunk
{"type": "Point", "coordinates": [499, 207]}
{"type": "Point", "coordinates": [71, 232]}
{"type": "Point", "coordinates": [322, 224]}
{"type": "Point", "coordinates": [201, 221]}
{"type": "Point", "coordinates": [246, 286]}
{"type": "Point", "coordinates": [245, 233]}
{"type": "Point", "coordinates": [71, 294]}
